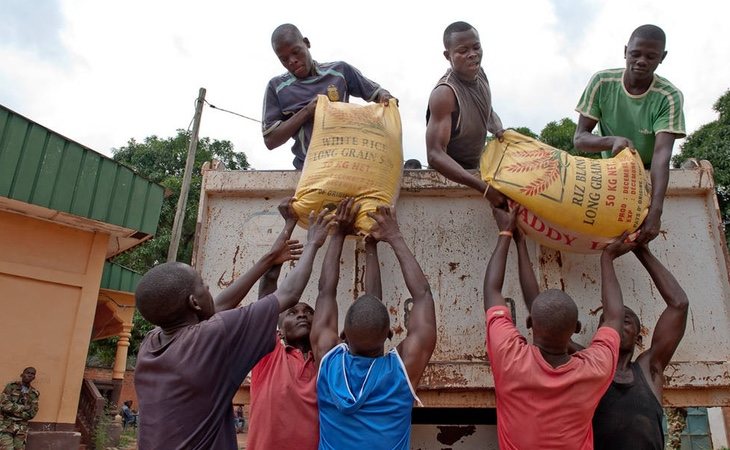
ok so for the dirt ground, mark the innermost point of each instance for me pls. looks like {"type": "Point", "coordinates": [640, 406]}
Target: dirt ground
{"type": "Point", "coordinates": [240, 437]}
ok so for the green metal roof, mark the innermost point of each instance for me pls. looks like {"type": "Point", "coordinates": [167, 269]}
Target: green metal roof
{"type": "Point", "coordinates": [119, 278]}
{"type": "Point", "coordinates": [41, 167]}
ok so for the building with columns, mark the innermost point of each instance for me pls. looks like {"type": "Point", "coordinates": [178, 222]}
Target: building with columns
{"type": "Point", "coordinates": [64, 211]}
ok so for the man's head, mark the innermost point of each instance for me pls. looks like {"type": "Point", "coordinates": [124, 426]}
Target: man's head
{"type": "Point", "coordinates": [630, 331]}
{"type": "Point", "coordinates": [128, 403]}
{"type": "Point", "coordinates": [367, 326]}
{"type": "Point", "coordinates": [463, 50]}
{"type": "Point", "coordinates": [27, 376]}
{"type": "Point", "coordinates": [644, 52]}
{"type": "Point", "coordinates": [296, 322]}
{"type": "Point", "coordinates": [292, 49]}
{"type": "Point", "coordinates": [412, 164]}
{"type": "Point", "coordinates": [171, 292]}
{"type": "Point", "coordinates": [553, 318]}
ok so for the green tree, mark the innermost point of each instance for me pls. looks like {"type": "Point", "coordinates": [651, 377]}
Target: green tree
{"type": "Point", "coordinates": [559, 134]}
{"type": "Point", "coordinates": [162, 160]}
{"type": "Point", "coordinates": [712, 143]}
{"type": "Point", "coordinates": [526, 132]}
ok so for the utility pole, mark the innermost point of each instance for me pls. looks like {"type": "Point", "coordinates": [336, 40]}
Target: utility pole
{"type": "Point", "coordinates": [185, 188]}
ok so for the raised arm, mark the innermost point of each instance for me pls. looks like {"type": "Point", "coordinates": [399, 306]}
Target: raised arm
{"type": "Point", "coordinates": [373, 283]}
{"type": "Point", "coordinates": [419, 343]}
{"type": "Point", "coordinates": [290, 290]}
{"type": "Point", "coordinates": [585, 141]}
{"type": "Point", "coordinates": [528, 281]}
{"type": "Point", "coordinates": [669, 329]}
{"type": "Point", "coordinates": [611, 297]}
{"type": "Point", "coordinates": [268, 282]}
{"type": "Point", "coordinates": [324, 335]}
{"type": "Point", "coordinates": [494, 276]}
{"type": "Point", "coordinates": [659, 180]}
{"type": "Point", "coordinates": [282, 250]}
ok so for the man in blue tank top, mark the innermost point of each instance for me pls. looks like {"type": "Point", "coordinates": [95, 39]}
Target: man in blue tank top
{"type": "Point", "coordinates": [364, 395]}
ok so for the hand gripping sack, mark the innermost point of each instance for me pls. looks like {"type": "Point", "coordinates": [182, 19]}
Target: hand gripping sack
{"type": "Point", "coordinates": [570, 203]}
{"type": "Point", "coordinates": [356, 151]}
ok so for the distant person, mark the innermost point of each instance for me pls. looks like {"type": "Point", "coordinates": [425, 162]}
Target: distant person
{"type": "Point", "coordinates": [239, 419]}
{"type": "Point", "coordinates": [191, 365]}
{"type": "Point", "coordinates": [633, 107]}
{"type": "Point", "coordinates": [412, 164]}
{"type": "Point", "coordinates": [545, 395]}
{"type": "Point", "coordinates": [630, 413]}
{"type": "Point", "coordinates": [128, 417]}
{"type": "Point", "coordinates": [365, 394]}
{"type": "Point", "coordinates": [18, 405]}
{"type": "Point", "coordinates": [460, 112]}
{"type": "Point", "coordinates": [291, 98]}
{"type": "Point", "coordinates": [283, 383]}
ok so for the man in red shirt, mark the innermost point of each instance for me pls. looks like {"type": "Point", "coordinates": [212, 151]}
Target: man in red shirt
{"type": "Point", "coordinates": [546, 396]}
{"type": "Point", "coordinates": [284, 412]}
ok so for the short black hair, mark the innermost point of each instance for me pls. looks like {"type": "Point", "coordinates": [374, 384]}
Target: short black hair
{"type": "Point", "coordinates": [162, 293]}
{"type": "Point", "coordinates": [554, 312]}
{"type": "Point", "coordinates": [651, 32]}
{"type": "Point", "coordinates": [632, 314]}
{"type": "Point", "coordinates": [285, 30]}
{"type": "Point", "coordinates": [412, 164]}
{"type": "Point", "coordinates": [368, 314]}
{"type": "Point", "coordinates": [456, 27]}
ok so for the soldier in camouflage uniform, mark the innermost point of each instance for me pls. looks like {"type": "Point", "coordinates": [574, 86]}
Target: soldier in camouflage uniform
{"type": "Point", "coordinates": [18, 404]}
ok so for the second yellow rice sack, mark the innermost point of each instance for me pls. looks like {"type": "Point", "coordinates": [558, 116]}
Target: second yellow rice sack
{"type": "Point", "coordinates": [571, 203]}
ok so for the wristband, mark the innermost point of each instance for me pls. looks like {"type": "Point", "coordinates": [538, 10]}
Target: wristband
{"type": "Point", "coordinates": [505, 233]}
{"type": "Point", "coordinates": [485, 191]}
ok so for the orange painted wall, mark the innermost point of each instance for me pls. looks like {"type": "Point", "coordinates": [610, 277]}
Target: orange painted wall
{"type": "Point", "coordinates": [49, 284]}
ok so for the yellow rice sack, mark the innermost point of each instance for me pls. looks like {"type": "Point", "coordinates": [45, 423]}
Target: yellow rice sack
{"type": "Point", "coordinates": [356, 151]}
{"type": "Point", "coordinates": [570, 203]}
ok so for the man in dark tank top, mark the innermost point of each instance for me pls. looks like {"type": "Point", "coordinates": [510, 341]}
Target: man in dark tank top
{"type": "Point", "coordinates": [460, 112]}
{"type": "Point", "coordinates": [629, 416]}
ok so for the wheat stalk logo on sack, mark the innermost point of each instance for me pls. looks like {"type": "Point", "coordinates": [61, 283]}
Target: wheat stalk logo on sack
{"type": "Point", "coordinates": [547, 161]}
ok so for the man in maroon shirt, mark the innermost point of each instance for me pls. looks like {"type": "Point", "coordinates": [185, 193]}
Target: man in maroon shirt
{"type": "Point", "coordinates": [191, 365]}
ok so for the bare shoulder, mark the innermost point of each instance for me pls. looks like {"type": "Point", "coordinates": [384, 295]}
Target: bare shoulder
{"type": "Point", "coordinates": [442, 99]}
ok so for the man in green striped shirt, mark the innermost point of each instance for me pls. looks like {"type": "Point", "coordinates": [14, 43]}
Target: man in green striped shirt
{"type": "Point", "coordinates": [633, 107]}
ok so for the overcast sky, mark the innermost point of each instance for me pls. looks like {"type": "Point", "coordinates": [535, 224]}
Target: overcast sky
{"type": "Point", "coordinates": [103, 72]}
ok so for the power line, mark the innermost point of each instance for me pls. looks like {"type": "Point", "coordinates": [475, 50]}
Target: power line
{"type": "Point", "coordinates": [231, 112]}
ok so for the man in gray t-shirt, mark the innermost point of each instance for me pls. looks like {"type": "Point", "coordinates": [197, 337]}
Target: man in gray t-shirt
{"type": "Point", "coordinates": [291, 98]}
{"type": "Point", "coordinates": [190, 366]}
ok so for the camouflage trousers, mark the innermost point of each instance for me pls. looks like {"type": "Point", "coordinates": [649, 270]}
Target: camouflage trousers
{"type": "Point", "coordinates": [13, 441]}
{"type": "Point", "coordinates": [676, 421]}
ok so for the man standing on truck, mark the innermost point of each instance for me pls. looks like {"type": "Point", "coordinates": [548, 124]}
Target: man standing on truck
{"type": "Point", "coordinates": [545, 395]}
{"type": "Point", "coordinates": [365, 396]}
{"type": "Point", "coordinates": [460, 112]}
{"type": "Point", "coordinates": [291, 98]}
{"type": "Point", "coordinates": [630, 413]}
{"type": "Point", "coordinates": [635, 108]}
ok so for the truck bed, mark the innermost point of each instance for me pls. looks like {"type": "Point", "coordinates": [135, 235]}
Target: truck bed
{"type": "Point", "coordinates": [451, 231]}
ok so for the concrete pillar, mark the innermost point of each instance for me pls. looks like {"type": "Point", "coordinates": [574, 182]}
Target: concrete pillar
{"type": "Point", "coordinates": [120, 362]}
